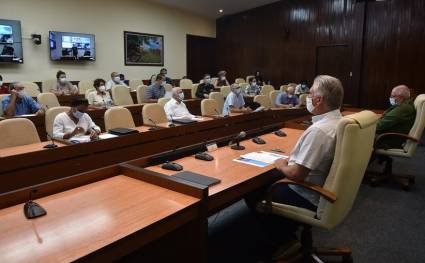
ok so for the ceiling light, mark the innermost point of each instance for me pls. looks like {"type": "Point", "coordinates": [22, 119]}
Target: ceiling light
{"type": "Point", "coordinates": [221, 10]}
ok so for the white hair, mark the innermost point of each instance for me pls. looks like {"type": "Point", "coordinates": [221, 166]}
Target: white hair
{"type": "Point", "coordinates": [331, 89]}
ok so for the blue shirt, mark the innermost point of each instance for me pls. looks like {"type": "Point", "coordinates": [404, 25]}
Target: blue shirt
{"type": "Point", "coordinates": [26, 105]}
{"type": "Point", "coordinates": [283, 98]}
{"type": "Point", "coordinates": [234, 100]}
{"type": "Point", "coordinates": [154, 92]}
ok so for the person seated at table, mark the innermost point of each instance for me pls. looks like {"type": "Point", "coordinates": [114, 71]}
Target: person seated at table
{"type": "Point", "coordinates": [221, 80]}
{"type": "Point", "coordinates": [310, 159]}
{"type": "Point", "coordinates": [252, 89]}
{"type": "Point", "coordinates": [19, 103]}
{"type": "Point", "coordinates": [115, 80]}
{"type": "Point", "coordinates": [3, 88]}
{"type": "Point", "coordinates": [75, 122]}
{"type": "Point", "coordinates": [399, 118]}
{"type": "Point", "coordinates": [259, 78]}
{"type": "Point", "coordinates": [301, 88]}
{"type": "Point", "coordinates": [287, 99]}
{"type": "Point", "coordinates": [205, 88]}
{"type": "Point", "coordinates": [99, 98]}
{"type": "Point", "coordinates": [63, 86]}
{"type": "Point", "coordinates": [234, 101]}
{"type": "Point", "coordinates": [156, 90]}
{"type": "Point", "coordinates": [175, 107]}
{"type": "Point", "coordinates": [167, 79]}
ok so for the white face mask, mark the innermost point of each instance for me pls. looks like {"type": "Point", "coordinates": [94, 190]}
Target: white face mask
{"type": "Point", "coordinates": [117, 79]}
{"type": "Point", "coordinates": [290, 95]}
{"type": "Point", "coordinates": [237, 91]}
{"type": "Point", "coordinates": [223, 78]}
{"type": "Point", "coordinates": [163, 83]}
{"type": "Point", "coordinates": [254, 84]}
{"type": "Point", "coordinates": [181, 96]}
{"type": "Point", "coordinates": [102, 88]}
{"type": "Point", "coordinates": [62, 80]}
{"type": "Point", "coordinates": [1, 83]}
{"type": "Point", "coordinates": [207, 80]}
{"type": "Point", "coordinates": [392, 101]}
{"type": "Point", "coordinates": [309, 102]}
{"type": "Point", "coordinates": [21, 93]}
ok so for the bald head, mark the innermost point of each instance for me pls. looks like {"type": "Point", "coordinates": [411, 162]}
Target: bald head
{"type": "Point", "coordinates": [401, 91]}
{"type": "Point", "coordinates": [291, 90]}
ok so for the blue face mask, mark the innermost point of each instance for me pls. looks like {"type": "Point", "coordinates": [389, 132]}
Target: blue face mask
{"type": "Point", "coordinates": [78, 114]}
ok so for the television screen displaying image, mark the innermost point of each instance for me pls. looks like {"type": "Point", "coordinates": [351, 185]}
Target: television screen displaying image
{"type": "Point", "coordinates": [10, 41]}
{"type": "Point", "coordinates": [71, 46]}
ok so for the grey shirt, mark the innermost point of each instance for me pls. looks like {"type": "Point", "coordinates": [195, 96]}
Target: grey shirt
{"type": "Point", "coordinates": [154, 92]}
{"type": "Point", "coordinates": [64, 88]}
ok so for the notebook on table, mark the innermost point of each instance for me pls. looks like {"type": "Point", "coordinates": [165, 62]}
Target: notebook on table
{"type": "Point", "coordinates": [197, 178]}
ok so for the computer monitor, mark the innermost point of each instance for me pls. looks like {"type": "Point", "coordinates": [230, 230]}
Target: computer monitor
{"type": "Point", "coordinates": [10, 41]}
{"type": "Point", "coordinates": [71, 46]}
{"type": "Point", "coordinates": [6, 34]}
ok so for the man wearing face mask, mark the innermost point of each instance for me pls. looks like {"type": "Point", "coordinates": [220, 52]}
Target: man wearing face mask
{"type": "Point", "coordinates": [18, 103]}
{"type": "Point", "coordinates": [115, 80]}
{"type": "Point", "coordinates": [75, 122]}
{"type": "Point", "coordinates": [287, 99]}
{"type": "Point", "coordinates": [234, 101]}
{"type": "Point", "coordinates": [156, 90]}
{"type": "Point", "coordinates": [63, 86]}
{"type": "Point", "coordinates": [253, 88]}
{"type": "Point", "coordinates": [221, 81]}
{"type": "Point", "coordinates": [167, 79]}
{"type": "Point", "coordinates": [100, 98]}
{"type": "Point", "coordinates": [205, 88]}
{"type": "Point", "coordinates": [175, 108]}
{"type": "Point", "coordinates": [399, 118]}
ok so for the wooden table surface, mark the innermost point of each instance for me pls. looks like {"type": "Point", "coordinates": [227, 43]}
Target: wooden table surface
{"type": "Point", "coordinates": [85, 219]}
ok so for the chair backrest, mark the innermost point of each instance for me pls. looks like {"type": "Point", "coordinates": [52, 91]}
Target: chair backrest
{"type": "Point", "coordinates": [273, 96]}
{"type": "Point", "coordinates": [266, 89]}
{"type": "Point", "coordinates": [168, 87]}
{"type": "Point", "coordinates": [284, 88]}
{"type": "Point", "coordinates": [48, 100]}
{"type": "Point", "coordinates": [84, 85]}
{"type": "Point", "coordinates": [194, 88]}
{"type": "Point", "coordinates": [134, 83]}
{"type": "Point", "coordinates": [350, 161]}
{"type": "Point", "coordinates": [31, 89]}
{"type": "Point", "coordinates": [47, 84]}
{"type": "Point", "coordinates": [418, 126]}
{"type": "Point", "coordinates": [1, 105]}
{"type": "Point", "coordinates": [240, 80]}
{"type": "Point", "coordinates": [51, 115]}
{"type": "Point", "coordinates": [88, 92]}
{"type": "Point", "coordinates": [225, 90]}
{"type": "Point", "coordinates": [17, 132]}
{"type": "Point", "coordinates": [163, 101]}
{"type": "Point", "coordinates": [218, 97]}
{"type": "Point", "coordinates": [244, 86]}
{"type": "Point", "coordinates": [209, 107]}
{"type": "Point", "coordinates": [186, 83]}
{"type": "Point", "coordinates": [140, 92]}
{"type": "Point", "coordinates": [263, 100]}
{"type": "Point", "coordinates": [302, 100]}
{"type": "Point", "coordinates": [250, 76]}
{"type": "Point", "coordinates": [121, 95]}
{"type": "Point", "coordinates": [155, 112]}
{"type": "Point", "coordinates": [118, 117]}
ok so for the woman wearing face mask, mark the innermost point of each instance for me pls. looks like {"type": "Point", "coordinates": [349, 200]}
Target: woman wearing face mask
{"type": "Point", "coordinates": [221, 81]}
{"type": "Point", "coordinates": [63, 86]}
{"type": "Point", "coordinates": [234, 101]}
{"type": "Point", "coordinates": [253, 88]}
{"type": "Point", "coordinates": [100, 98]}
{"type": "Point", "coordinates": [75, 122]}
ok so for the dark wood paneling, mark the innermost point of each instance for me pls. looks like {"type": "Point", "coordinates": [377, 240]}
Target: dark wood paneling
{"type": "Point", "coordinates": [281, 40]}
{"type": "Point", "coordinates": [201, 57]}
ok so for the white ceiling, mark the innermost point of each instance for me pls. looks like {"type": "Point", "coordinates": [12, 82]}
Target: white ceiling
{"type": "Point", "coordinates": [209, 8]}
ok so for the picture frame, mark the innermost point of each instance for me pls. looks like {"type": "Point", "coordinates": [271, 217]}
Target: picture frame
{"type": "Point", "coordinates": [143, 49]}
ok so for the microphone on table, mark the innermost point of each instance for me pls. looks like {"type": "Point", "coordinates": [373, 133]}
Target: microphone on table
{"type": "Point", "coordinates": [172, 122]}
{"type": "Point", "coordinates": [155, 126]}
{"type": "Point", "coordinates": [51, 145]}
{"type": "Point", "coordinates": [32, 209]}
{"type": "Point", "coordinates": [237, 140]}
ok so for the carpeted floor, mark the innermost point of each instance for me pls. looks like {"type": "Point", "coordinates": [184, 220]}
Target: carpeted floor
{"type": "Point", "coordinates": [385, 225]}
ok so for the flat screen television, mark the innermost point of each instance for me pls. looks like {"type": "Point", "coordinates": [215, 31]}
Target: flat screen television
{"type": "Point", "coordinates": [66, 46]}
{"type": "Point", "coordinates": [10, 41]}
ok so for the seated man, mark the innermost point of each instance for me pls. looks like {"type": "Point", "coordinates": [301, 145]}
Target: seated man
{"type": "Point", "coordinates": [175, 107]}
{"type": "Point", "coordinates": [287, 99]}
{"type": "Point", "coordinates": [301, 88]}
{"type": "Point", "coordinates": [221, 80]}
{"type": "Point", "coordinates": [205, 88]}
{"type": "Point", "coordinates": [75, 122]}
{"type": "Point", "coordinates": [399, 118]}
{"type": "Point", "coordinates": [156, 90]}
{"type": "Point", "coordinates": [62, 85]}
{"type": "Point", "coordinates": [115, 80]}
{"type": "Point", "coordinates": [234, 101]}
{"type": "Point", "coordinates": [100, 98]}
{"type": "Point", "coordinates": [167, 79]}
{"type": "Point", "coordinates": [252, 89]}
{"type": "Point", "coordinates": [312, 156]}
{"type": "Point", "coordinates": [18, 103]}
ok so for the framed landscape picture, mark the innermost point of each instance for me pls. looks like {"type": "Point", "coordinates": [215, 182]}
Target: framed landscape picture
{"type": "Point", "coordinates": [142, 49]}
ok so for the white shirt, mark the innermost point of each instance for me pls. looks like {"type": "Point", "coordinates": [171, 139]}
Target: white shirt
{"type": "Point", "coordinates": [112, 83]}
{"type": "Point", "coordinates": [63, 124]}
{"type": "Point", "coordinates": [233, 100]}
{"type": "Point", "coordinates": [103, 100]}
{"type": "Point", "coordinates": [315, 150]}
{"type": "Point", "coordinates": [177, 110]}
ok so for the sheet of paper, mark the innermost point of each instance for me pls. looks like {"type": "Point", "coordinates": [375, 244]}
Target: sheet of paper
{"type": "Point", "coordinates": [105, 136]}
{"type": "Point", "coordinates": [80, 139]}
{"type": "Point", "coordinates": [250, 162]}
{"type": "Point", "coordinates": [265, 157]}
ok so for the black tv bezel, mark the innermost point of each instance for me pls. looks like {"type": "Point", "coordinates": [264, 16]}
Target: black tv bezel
{"type": "Point", "coordinates": [73, 61]}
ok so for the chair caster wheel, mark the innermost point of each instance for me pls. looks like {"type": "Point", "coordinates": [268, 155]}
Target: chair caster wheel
{"type": "Point", "coordinates": [347, 259]}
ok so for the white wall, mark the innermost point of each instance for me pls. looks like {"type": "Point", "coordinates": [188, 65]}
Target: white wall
{"type": "Point", "coordinates": [107, 20]}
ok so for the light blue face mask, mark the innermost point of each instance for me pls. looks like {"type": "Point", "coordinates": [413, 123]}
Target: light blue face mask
{"type": "Point", "coordinates": [78, 114]}
{"type": "Point", "coordinates": [392, 101]}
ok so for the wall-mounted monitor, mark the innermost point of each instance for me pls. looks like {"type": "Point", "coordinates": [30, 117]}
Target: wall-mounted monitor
{"type": "Point", "coordinates": [66, 46]}
{"type": "Point", "coordinates": [10, 41]}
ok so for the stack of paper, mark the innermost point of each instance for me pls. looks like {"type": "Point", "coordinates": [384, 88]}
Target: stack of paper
{"type": "Point", "coordinates": [260, 159]}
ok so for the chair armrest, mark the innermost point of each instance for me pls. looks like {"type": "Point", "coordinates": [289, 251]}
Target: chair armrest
{"type": "Point", "coordinates": [395, 134]}
{"type": "Point", "coordinates": [328, 195]}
